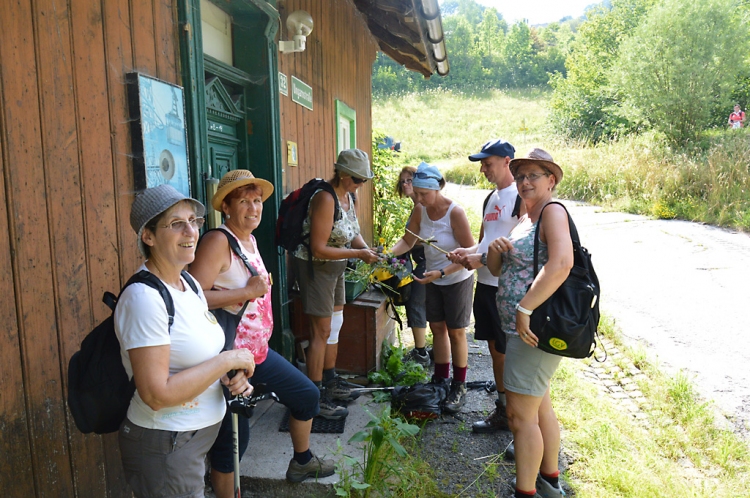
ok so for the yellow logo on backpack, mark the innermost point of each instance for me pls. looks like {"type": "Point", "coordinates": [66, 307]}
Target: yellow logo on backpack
{"type": "Point", "coordinates": [558, 344]}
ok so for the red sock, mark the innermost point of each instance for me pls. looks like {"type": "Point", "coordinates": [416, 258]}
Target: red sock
{"type": "Point", "coordinates": [459, 373]}
{"type": "Point", "coordinates": [442, 370]}
{"type": "Point", "coordinates": [553, 478]}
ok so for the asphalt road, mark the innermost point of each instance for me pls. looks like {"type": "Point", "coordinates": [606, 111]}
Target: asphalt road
{"type": "Point", "coordinates": [681, 289]}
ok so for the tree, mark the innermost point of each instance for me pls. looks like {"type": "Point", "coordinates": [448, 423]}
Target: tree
{"type": "Point", "coordinates": [682, 60]}
{"type": "Point", "coordinates": [583, 100]}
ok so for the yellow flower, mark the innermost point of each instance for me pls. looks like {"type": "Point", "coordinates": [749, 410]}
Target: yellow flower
{"type": "Point", "coordinates": [382, 240]}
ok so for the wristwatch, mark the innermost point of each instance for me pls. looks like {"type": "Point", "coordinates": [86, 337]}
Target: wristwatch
{"type": "Point", "coordinates": [483, 259]}
{"type": "Point", "coordinates": [442, 274]}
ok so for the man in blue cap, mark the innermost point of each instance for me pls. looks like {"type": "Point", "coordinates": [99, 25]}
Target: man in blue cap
{"type": "Point", "coordinates": [500, 214]}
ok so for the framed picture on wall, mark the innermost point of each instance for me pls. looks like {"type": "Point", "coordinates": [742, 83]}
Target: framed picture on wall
{"type": "Point", "coordinates": [157, 123]}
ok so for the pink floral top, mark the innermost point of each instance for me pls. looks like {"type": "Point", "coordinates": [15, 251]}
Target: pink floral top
{"type": "Point", "coordinates": [518, 272]}
{"type": "Point", "coordinates": [256, 325]}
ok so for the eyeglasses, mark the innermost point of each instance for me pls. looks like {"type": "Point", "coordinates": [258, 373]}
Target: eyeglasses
{"type": "Point", "coordinates": [424, 176]}
{"type": "Point", "coordinates": [180, 225]}
{"type": "Point", "coordinates": [531, 177]}
{"type": "Point", "coordinates": [358, 181]}
{"type": "Point", "coordinates": [407, 181]}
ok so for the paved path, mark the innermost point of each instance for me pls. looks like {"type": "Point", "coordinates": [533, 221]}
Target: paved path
{"type": "Point", "coordinates": [680, 288]}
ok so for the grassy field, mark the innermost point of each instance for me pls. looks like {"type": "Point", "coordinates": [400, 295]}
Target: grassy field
{"type": "Point", "coordinates": [708, 182]}
{"type": "Point", "coordinates": [679, 451]}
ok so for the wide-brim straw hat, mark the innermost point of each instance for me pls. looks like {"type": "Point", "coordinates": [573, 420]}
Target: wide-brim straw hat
{"type": "Point", "coordinates": [239, 178]}
{"type": "Point", "coordinates": [152, 202]}
{"type": "Point", "coordinates": [540, 157]}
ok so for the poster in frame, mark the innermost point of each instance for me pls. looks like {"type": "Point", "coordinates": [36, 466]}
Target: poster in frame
{"type": "Point", "coordinates": [159, 135]}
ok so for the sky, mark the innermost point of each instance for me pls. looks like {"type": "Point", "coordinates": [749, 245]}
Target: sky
{"type": "Point", "coordinates": [538, 11]}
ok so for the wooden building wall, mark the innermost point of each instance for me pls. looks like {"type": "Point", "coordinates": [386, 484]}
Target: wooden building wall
{"type": "Point", "coordinates": [65, 235]}
{"type": "Point", "coordinates": [66, 187]}
{"type": "Point", "coordinates": [337, 64]}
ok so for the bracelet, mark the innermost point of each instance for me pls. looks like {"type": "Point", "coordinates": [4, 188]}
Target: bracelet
{"type": "Point", "coordinates": [523, 310]}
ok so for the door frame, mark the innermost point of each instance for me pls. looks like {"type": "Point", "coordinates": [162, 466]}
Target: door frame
{"type": "Point", "coordinates": [256, 54]}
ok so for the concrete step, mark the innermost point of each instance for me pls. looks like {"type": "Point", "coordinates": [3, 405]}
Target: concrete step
{"type": "Point", "coordinates": [264, 464]}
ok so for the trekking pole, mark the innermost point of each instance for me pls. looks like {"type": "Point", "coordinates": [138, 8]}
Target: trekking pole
{"type": "Point", "coordinates": [240, 405]}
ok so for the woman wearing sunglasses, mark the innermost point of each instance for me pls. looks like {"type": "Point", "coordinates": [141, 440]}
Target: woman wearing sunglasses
{"type": "Point", "coordinates": [332, 243]}
{"type": "Point", "coordinates": [178, 405]}
{"type": "Point", "coordinates": [443, 224]}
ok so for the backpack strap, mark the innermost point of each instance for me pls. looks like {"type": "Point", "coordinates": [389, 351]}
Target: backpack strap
{"type": "Point", "coordinates": [486, 201]}
{"type": "Point", "coordinates": [147, 278]}
{"type": "Point", "coordinates": [573, 235]}
{"type": "Point", "coordinates": [235, 246]}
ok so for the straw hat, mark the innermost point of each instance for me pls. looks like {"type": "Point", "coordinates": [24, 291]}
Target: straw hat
{"type": "Point", "coordinates": [239, 178]}
{"type": "Point", "coordinates": [540, 157]}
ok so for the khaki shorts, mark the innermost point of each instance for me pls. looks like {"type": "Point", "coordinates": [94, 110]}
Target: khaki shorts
{"type": "Point", "coordinates": [326, 290]}
{"type": "Point", "coordinates": [165, 464]}
{"type": "Point", "coordinates": [527, 370]}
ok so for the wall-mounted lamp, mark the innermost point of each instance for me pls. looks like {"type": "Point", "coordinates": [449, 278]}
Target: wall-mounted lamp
{"type": "Point", "coordinates": [299, 25]}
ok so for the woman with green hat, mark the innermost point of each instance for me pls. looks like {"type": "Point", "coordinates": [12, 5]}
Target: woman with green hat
{"type": "Point", "coordinates": [332, 243]}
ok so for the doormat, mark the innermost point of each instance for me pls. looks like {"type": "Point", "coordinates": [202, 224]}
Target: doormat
{"type": "Point", "coordinates": [320, 425]}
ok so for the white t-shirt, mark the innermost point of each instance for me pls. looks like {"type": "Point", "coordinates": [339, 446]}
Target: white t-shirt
{"type": "Point", "coordinates": [497, 222]}
{"type": "Point", "coordinates": [141, 320]}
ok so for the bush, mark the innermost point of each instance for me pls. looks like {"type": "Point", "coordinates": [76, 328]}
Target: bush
{"type": "Point", "coordinates": [467, 174]}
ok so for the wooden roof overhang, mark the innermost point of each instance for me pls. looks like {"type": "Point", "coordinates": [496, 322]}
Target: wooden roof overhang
{"type": "Point", "coordinates": [408, 31]}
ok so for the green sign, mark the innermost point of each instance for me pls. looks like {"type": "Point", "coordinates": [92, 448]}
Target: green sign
{"type": "Point", "coordinates": [283, 84]}
{"type": "Point", "coordinates": [302, 93]}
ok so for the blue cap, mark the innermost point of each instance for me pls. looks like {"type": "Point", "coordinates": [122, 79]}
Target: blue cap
{"type": "Point", "coordinates": [427, 176]}
{"type": "Point", "coordinates": [495, 147]}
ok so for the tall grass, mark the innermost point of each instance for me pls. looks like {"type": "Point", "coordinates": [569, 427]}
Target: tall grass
{"type": "Point", "coordinates": [638, 174]}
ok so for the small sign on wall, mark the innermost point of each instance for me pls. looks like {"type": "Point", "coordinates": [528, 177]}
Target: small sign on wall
{"type": "Point", "coordinates": [292, 159]}
{"type": "Point", "coordinates": [283, 84]}
{"type": "Point", "coordinates": [302, 93]}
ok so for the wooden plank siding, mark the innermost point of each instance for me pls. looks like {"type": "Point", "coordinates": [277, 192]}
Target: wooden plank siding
{"type": "Point", "coordinates": [66, 190]}
{"type": "Point", "coordinates": [337, 64]}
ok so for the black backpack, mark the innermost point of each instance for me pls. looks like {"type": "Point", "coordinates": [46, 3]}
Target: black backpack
{"type": "Point", "coordinates": [420, 401]}
{"type": "Point", "coordinates": [293, 212]}
{"type": "Point", "coordinates": [567, 322]}
{"type": "Point", "coordinates": [99, 390]}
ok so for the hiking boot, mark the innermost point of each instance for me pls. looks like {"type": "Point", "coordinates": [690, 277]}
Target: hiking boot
{"type": "Point", "coordinates": [543, 488]}
{"type": "Point", "coordinates": [330, 410]}
{"type": "Point", "coordinates": [338, 388]}
{"type": "Point", "coordinates": [547, 490]}
{"type": "Point", "coordinates": [316, 468]}
{"type": "Point", "coordinates": [417, 357]}
{"type": "Point", "coordinates": [456, 397]}
{"type": "Point", "coordinates": [497, 421]}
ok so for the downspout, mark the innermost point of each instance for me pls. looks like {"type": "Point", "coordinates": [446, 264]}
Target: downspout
{"type": "Point", "coordinates": [435, 36]}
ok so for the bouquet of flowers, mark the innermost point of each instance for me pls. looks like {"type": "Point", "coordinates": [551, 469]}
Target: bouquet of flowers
{"type": "Point", "coordinates": [393, 275]}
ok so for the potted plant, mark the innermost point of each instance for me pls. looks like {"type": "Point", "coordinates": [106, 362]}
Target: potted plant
{"type": "Point", "coordinates": [394, 274]}
{"type": "Point", "coordinates": [356, 280]}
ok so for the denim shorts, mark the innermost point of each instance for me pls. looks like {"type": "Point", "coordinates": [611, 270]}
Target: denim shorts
{"type": "Point", "coordinates": [528, 370]}
{"type": "Point", "coordinates": [325, 290]}
{"type": "Point", "coordinates": [294, 390]}
{"type": "Point", "coordinates": [487, 326]}
{"type": "Point", "coordinates": [163, 464]}
{"type": "Point", "coordinates": [450, 303]}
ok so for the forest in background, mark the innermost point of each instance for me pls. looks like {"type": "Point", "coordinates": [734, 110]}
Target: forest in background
{"type": "Point", "coordinates": [672, 67]}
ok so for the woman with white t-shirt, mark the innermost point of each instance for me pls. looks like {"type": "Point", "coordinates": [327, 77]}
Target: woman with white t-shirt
{"type": "Point", "coordinates": [178, 405]}
{"type": "Point", "coordinates": [444, 224]}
